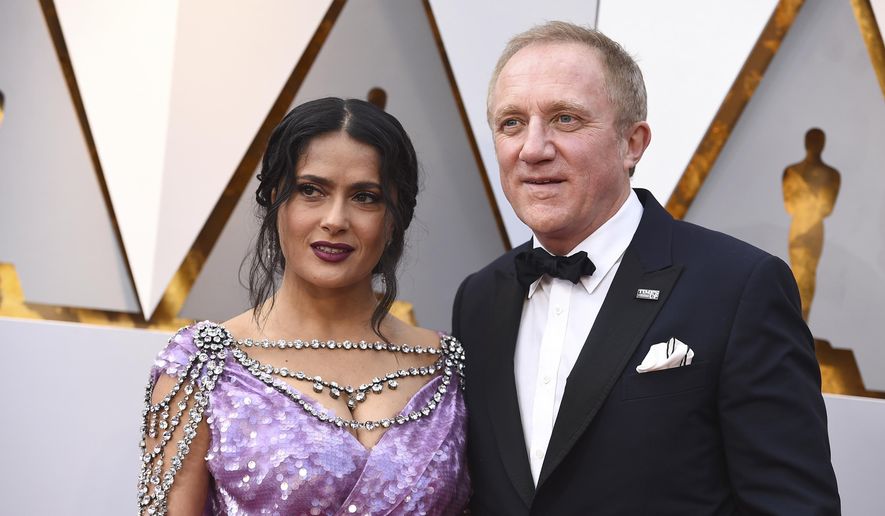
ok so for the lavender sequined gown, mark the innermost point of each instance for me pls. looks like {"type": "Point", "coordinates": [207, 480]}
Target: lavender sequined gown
{"type": "Point", "coordinates": [268, 456]}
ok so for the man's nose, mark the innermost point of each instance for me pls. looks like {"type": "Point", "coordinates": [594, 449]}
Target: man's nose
{"type": "Point", "coordinates": [335, 219]}
{"type": "Point", "coordinates": [537, 146]}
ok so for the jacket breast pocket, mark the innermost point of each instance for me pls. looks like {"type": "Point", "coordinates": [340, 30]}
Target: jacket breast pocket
{"type": "Point", "coordinates": [666, 382]}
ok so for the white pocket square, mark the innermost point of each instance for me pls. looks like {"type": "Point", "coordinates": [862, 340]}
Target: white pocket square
{"type": "Point", "coordinates": [666, 355]}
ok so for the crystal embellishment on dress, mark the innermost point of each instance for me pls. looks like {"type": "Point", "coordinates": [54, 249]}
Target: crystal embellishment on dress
{"type": "Point", "coordinates": [355, 395]}
{"type": "Point", "coordinates": [451, 360]}
{"type": "Point", "coordinates": [197, 380]}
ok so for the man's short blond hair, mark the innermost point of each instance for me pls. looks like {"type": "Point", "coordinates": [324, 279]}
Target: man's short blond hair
{"type": "Point", "coordinates": [623, 79]}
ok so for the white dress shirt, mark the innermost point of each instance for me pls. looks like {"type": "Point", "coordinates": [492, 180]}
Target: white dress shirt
{"type": "Point", "coordinates": [556, 318]}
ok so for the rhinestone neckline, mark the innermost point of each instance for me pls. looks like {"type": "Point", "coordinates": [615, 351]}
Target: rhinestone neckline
{"type": "Point", "coordinates": [450, 362]}
{"type": "Point", "coordinates": [332, 344]}
{"type": "Point", "coordinates": [354, 395]}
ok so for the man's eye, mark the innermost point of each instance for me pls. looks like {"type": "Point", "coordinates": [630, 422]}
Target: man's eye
{"type": "Point", "coordinates": [566, 119]}
{"type": "Point", "coordinates": [510, 122]}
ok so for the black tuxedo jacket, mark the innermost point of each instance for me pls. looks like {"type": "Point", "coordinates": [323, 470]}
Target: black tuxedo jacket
{"type": "Point", "coordinates": [742, 430]}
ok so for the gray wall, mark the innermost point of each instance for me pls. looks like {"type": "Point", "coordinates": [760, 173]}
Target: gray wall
{"type": "Point", "coordinates": [821, 77]}
{"type": "Point", "coordinates": [856, 426]}
{"type": "Point", "coordinates": [72, 414]}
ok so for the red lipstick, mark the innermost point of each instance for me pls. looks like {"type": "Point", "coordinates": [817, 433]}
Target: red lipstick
{"type": "Point", "coordinates": [331, 252]}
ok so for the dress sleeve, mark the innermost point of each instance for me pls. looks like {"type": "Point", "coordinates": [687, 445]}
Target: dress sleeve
{"type": "Point", "coordinates": [176, 356]}
{"type": "Point", "coordinates": [176, 400]}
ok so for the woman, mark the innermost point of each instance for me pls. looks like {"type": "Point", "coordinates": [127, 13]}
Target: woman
{"type": "Point", "coordinates": [364, 414]}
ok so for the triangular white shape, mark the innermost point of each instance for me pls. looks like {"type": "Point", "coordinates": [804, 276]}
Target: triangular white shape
{"type": "Point", "coordinates": [122, 54]}
{"type": "Point", "coordinates": [174, 96]}
{"type": "Point", "coordinates": [690, 53]}
{"type": "Point", "coordinates": [54, 225]}
{"type": "Point", "coordinates": [878, 7]}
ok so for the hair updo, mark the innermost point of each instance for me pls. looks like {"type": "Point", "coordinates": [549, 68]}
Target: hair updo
{"type": "Point", "coordinates": [398, 165]}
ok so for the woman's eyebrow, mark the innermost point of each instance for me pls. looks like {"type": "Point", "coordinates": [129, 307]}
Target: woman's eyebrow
{"type": "Point", "coordinates": [315, 179]}
{"type": "Point", "coordinates": [324, 181]}
{"type": "Point", "coordinates": [365, 185]}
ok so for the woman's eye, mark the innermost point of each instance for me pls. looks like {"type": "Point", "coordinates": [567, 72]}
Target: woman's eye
{"type": "Point", "coordinates": [366, 198]}
{"type": "Point", "coordinates": [308, 190]}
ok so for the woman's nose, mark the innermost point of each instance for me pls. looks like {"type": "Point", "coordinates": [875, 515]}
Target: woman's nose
{"type": "Point", "coordinates": [335, 218]}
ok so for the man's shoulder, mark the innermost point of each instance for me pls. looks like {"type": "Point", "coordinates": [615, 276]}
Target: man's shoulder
{"type": "Point", "coordinates": [706, 254]}
{"type": "Point", "coordinates": [692, 239]}
{"type": "Point", "coordinates": [692, 244]}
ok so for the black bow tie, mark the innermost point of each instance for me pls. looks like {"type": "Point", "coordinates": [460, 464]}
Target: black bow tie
{"type": "Point", "coordinates": [531, 265]}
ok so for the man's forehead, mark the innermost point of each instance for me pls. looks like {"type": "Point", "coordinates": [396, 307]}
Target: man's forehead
{"type": "Point", "coordinates": [551, 54]}
{"type": "Point", "coordinates": [542, 67]}
{"type": "Point", "coordinates": [550, 65]}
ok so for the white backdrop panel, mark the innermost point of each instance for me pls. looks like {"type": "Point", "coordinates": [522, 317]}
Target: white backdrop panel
{"type": "Point", "coordinates": [474, 34]}
{"type": "Point", "coordinates": [858, 451]}
{"type": "Point", "coordinates": [54, 225]}
{"type": "Point", "coordinates": [74, 395]}
{"type": "Point", "coordinates": [389, 44]}
{"type": "Point", "coordinates": [821, 77]}
{"type": "Point", "coordinates": [690, 52]}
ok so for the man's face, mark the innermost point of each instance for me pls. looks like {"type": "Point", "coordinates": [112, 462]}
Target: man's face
{"type": "Point", "coordinates": [563, 161]}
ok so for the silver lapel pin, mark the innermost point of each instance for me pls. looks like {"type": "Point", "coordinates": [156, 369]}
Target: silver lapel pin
{"type": "Point", "coordinates": [647, 293]}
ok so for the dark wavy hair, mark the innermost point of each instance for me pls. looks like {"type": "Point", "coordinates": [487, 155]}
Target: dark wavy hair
{"type": "Point", "coordinates": [364, 123]}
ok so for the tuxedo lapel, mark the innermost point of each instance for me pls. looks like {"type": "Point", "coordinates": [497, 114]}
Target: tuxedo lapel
{"type": "Point", "coordinates": [620, 325]}
{"type": "Point", "coordinates": [503, 406]}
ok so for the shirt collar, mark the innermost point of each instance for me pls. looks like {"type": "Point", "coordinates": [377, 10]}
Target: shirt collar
{"type": "Point", "coordinates": [605, 246]}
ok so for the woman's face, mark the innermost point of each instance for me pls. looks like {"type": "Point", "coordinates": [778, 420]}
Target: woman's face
{"type": "Point", "coordinates": [333, 229]}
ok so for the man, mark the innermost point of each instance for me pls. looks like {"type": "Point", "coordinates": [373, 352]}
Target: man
{"type": "Point", "coordinates": [669, 373]}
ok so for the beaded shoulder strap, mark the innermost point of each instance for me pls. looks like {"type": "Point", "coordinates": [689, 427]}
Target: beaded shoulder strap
{"type": "Point", "coordinates": [160, 420]}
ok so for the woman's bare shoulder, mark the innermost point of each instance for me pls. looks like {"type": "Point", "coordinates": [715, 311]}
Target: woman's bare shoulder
{"type": "Point", "coordinates": [416, 335]}
{"type": "Point", "coordinates": [241, 326]}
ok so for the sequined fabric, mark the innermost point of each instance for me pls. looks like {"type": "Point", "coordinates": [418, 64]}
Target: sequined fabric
{"type": "Point", "coordinates": [268, 456]}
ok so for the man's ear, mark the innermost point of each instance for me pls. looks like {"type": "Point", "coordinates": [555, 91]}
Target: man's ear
{"type": "Point", "coordinates": [637, 138]}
